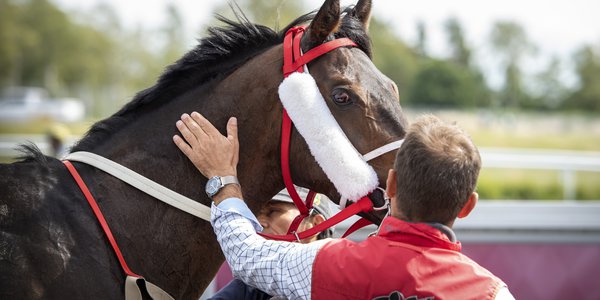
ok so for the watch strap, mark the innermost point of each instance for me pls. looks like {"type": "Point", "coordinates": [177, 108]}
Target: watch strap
{"type": "Point", "coordinates": [225, 180]}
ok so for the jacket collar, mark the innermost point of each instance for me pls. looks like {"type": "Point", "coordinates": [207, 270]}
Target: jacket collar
{"type": "Point", "coordinates": [419, 234]}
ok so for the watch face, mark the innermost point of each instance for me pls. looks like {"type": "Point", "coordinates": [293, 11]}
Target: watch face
{"type": "Point", "coordinates": [213, 185]}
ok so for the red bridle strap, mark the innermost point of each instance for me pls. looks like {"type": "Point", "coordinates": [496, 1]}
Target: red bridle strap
{"type": "Point", "coordinates": [362, 205]}
{"type": "Point", "coordinates": [360, 223]}
{"type": "Point", "coordinates": [100, 217]}
{"type": "Point", "coordinates": [294, 61]}
{"type": "Point", "coordinates": [316, 52]}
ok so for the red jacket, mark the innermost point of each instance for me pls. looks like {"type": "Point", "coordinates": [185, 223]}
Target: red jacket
{"type": "Point", "coordinates": [408, 259]}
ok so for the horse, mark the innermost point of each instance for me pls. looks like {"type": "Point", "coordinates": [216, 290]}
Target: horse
{"type": "Point", "coordinates": [51, 245]}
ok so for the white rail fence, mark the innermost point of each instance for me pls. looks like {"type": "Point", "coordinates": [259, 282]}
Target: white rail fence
{"type": "Point", "coordinates": [566, 162]}
{"type": "Point", "coordinates": [510, 221]}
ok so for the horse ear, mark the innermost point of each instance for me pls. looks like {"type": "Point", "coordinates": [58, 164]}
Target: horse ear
{"type": "Point", "coordinates": [325, 22]}
{"type": "Point", "coordinates": [362, 11]}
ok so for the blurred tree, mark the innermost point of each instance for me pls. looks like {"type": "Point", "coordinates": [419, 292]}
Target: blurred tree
{"type": "Point", "coordinates": [421, 46]}
{"type": "Point", "coordinates": [273, 14]}
{"type": "Point", "coordinates": [586, 96]}
{"type": "Point", "coordinates": [393, 57]}
{"type": "Point", "coordinates": [511, 43]}
{"type": "Point", "coordinates": [40, 45]}
{"type": "Point", "coordinates": [12, 40]}
{"type": "Point", "coordinates": [460, 53]}
{"type": "Point", "coordinates": [445, 84]}
{"type": "Point", "coordinates": [549, 91]}
{"type": "Point", "coordinates": [174, 35]}
{"type": "Point", "coordinates": [451, 83]}
{"type": "Point", "coordinates": [87, 55]}
{"type": "Point", "coordinates": [144, 53]}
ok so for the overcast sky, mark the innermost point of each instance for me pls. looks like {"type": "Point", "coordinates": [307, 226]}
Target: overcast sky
{"type": "Point", "coordinates": [557, 27]}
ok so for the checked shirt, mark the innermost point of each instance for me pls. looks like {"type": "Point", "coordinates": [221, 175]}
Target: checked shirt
{"type": "Point", "coordinates": [281, 269]}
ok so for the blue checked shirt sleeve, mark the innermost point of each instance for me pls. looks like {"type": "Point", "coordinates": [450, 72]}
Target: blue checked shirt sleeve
{"type": "Point", "coordinates": [278, 268]}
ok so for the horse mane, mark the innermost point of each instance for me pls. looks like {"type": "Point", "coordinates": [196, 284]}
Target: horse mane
{"type": "Point", "coordinates": [29, 152]}
{"type": "Point", "coordinates": [219, 53]}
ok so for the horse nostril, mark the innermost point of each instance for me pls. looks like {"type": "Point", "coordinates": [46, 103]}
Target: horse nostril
{"type": "Point", "coordinates": [377, 197]}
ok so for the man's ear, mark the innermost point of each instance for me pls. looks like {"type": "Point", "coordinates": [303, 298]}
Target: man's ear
{"type": "Point", "coordinates": [468, 207]}
{"type": "Point", "coordinates": [390, 184]}
{"type": "Point", "coordinates": [311, 222]}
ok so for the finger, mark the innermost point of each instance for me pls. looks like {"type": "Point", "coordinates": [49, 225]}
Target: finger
{"type": "Point", "coordinates": [193, 127]}
{"type": "Point", "coordinates": [186, 133]}
{"type": "Point", "coordinates": [232, 136]}
{"type": "Point", "coordinates": [205, 124]}
{"type": "Point", "coordinates": [183, 146]}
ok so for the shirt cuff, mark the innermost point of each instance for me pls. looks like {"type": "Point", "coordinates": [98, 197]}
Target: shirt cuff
{"type": "Point", "coordinates": [238, 206]}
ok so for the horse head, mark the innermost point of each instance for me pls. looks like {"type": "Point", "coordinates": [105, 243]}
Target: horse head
{"type": "Point", "coordinates": [363, 101]}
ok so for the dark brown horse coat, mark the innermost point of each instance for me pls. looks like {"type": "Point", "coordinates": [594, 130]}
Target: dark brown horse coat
{"type": "Point", "coordinates": [51, 246]}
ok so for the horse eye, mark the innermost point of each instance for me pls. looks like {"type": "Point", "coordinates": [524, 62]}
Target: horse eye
{"type": "Point", "coordinates": [341, 97]}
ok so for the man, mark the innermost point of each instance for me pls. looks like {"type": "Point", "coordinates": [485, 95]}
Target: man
{"type": "Point", "coordinates": [275, 218]}
{"type": "Point", "coordinates": [415, 254]}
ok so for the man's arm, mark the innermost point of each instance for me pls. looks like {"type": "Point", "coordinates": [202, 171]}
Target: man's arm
{"type": "Point", "coordinates": [278, 268]}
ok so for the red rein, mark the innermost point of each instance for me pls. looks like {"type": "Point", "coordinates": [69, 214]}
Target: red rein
{"type": "Point", "coordinates": [100, 217]}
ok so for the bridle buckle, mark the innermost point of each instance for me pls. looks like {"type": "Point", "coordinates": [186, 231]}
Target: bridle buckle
{"type": "Point", "coordinates": [379, 199]}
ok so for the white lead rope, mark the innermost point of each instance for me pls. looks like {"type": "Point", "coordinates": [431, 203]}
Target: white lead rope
{"type": "Point", "coordinates": [171, 197]}
{"type": "Point", "coordinates": [371, 155]}
{"type": "Point", "coordinates": [382, 150]}
{"type": "Point", "coordinates": [142, 183]}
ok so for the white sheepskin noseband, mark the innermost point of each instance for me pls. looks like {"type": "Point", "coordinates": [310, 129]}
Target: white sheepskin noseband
{"type": "Point", "coordinates": [335, 154]}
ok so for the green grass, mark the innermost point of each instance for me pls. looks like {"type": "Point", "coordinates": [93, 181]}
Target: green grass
{"type": "Point", "coordinates": [499, 184]}
{"type": "Point", "coordinates": [588, 185]}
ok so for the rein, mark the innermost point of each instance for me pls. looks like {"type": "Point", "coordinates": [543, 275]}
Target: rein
{"type": "Point", "coordinates": [142, 183]}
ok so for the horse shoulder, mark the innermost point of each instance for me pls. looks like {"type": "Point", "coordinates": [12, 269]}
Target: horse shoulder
{"type": "Point", "coordinates": [40, 228]}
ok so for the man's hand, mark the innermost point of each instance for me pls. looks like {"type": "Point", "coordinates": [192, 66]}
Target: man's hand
{"type": "Point", "coordinates": [212, 153]}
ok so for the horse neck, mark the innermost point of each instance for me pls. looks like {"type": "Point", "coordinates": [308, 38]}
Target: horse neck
{"type": "Point", "coordinates": [250, 94]}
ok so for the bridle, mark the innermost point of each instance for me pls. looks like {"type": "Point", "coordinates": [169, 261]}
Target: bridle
{"type": "Point", "coordinates": [296, 61]}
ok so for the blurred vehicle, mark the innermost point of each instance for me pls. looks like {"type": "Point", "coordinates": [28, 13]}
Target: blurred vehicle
{"type": "Point", "coordinates": [23, 104]}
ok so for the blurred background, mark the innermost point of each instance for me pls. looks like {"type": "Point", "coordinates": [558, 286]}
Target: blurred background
{"type": "Point", "coordinates": [522, 77]}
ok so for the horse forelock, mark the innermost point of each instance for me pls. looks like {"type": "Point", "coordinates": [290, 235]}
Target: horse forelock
{"type": "Point", "coordinates": [353, 29]}
{"type": "Point", "coordinates": [224, 49]}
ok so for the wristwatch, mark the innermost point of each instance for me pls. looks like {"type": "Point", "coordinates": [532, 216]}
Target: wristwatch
{"type": "Point", "coordinates": [216, 183]}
